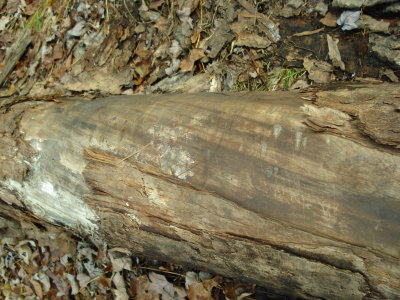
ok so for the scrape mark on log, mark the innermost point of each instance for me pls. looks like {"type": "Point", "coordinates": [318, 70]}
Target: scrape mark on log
{"type": "Point", "coordinates": [299, 135]}
{"type": "Point", "coordinates": [277, 130]}
{"type": "Point", "coordinates": [56, 196]}
{"type": "Point", "coordinates": [174, 160]}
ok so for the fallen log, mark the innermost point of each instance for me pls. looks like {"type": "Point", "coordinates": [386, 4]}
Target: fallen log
{"type": "Point", "coordinates": [296, 192]}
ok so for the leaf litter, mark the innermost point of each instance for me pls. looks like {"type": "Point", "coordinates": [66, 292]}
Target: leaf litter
{"type": "Point", "coordinates": [71, 268]}
{"type": "Point", "coordinates": [130, 47]}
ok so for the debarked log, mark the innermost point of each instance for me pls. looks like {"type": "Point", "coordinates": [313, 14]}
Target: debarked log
{"type": "Point", "coordinates": [296, 192]}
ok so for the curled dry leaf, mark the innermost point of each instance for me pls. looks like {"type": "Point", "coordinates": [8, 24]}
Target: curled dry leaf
{"type": "Point", "coordinates": [329, 20]}
{"type": "Point", "coordinates": [188, 62]}
{"type": "Point", "coordinates": [202, 290]}
{"type": "Point", "coordinates": [318, 71]}
{"type": "Point", "coordinates": [140, 288]}
{"type": "Point", "coordinates": [334, 53]}
{"type": "Point", "coordinates": [37, 288]}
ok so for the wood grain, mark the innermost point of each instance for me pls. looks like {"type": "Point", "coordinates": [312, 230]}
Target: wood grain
{"type": "Point", "coordinates": [267, 187]}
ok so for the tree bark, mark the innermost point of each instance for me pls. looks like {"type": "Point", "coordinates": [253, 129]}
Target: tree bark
{"type": "Point", "coordinates": [298, 192]}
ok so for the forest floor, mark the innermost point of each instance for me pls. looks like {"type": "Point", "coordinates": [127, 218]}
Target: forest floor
{"type": "Point", "coordinates": [87, 48]}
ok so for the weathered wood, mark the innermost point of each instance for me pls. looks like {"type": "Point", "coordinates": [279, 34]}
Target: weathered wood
{"type": "Point", "coordinates": [243, 184]}
{"type": "Point", "coordinates": [15, 53]}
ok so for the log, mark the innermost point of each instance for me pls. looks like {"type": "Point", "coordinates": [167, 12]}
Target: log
{"type": "Point", "coordinates": [297, 192]}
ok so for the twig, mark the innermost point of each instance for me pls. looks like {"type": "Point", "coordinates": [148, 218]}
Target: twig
{"type": "Point", "coordinates": [158, 270]}
{"type": "Point", "coordinates": [136, 152]}
{"type": "Point", "coordinates": [127, 8]}
{"type": "Point", "coordinates": [107, 14]}
{"type": "Point", "coordinates": [255, 65]}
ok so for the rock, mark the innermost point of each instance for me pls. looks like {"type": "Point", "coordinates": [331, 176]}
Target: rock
{"type": "Point", "coordinates": [386, 47]}
{"type": "Point", "coordinates": [359, 3]}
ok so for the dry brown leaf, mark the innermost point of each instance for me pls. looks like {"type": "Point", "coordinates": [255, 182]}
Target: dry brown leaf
{"type": "Point", "coordinates": [20, 70]}
{"type": "Point", "coordinates": [142, 51]}
{"type": "Point", "coordinates": [141, 288]}
{"type": "Point", "coordinates": [196, 35]}
{"type": "Point", "coordinates": [188, 62]}
{"type": "Point", "coordinates": [58, 52]}
{"type": "Point", "coordinates": [334, 53]}
{"type": "Point", "coordinates": [120, 291]}
{"type": "Point", "coordinates": [68, 62]}
{"type": "Point", "coordinates": [245, 31]}
{"type": "Point", "coordinates": [202, 290]}
{"type": "Point", "coordinates": [329, 20]}
{"type": "Point", "coordinates": [238, 291]}
{"type": "Point", "coordinates": [162, 24]}
{"type": "Point", "coordinates": [142, 69]}
{"type": "Point", "coordinates": [161, 286]}
{"type": "Point", "coordinates": [37, 288]}
{"type": "Point", "coordinates": [31, 8]}
{"type": "Point", "coordinates": [318, 71]}
{"type": "Point", "coordinates": [156, 4]}
{"type": "Point", "coordinates": [27, 290]}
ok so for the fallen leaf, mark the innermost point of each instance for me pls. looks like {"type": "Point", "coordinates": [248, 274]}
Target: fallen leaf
{"type": "Point", "coordinates": [238, 291]}
{"type": "Point", "coordinates": [389, 74]}
{"type": "Point", "coordinates": [156, 4]}
{"type": "Point", "coordinates": [79, 29]}
{"type": "Point", "coordinates": [142, 69]}
{"type": "Point", "coordinates": [142, 51]}
{"type": "Point", "coordinates": [83, 280]}
{"type": "Point", "coordinates": [188, 62]}
{"type": "Point", "coordinates": [245, 31]}
{"type": "Point", "coordinates": [73, 283]}
{"type": "Point", "coordinates": [334, 53]}
{"type": "Point", "coordinates": [44, 280]}
{"type": "Point", "coordinates": [31, 8]}
{"type": "Point", "coordinates": [190, 278]}
{"type": "Point", "coordinates": [318, 71]}
{"type": "Point", "coordinates": [202, 290]}
{"type": "Point", "coordinates": [121, 263]}
{"type": "Point", "coordinates": [58, 52]}
{"type": "Point", "coordinates": [329, 20]}
{"type": "Point", "coordinates": [162, 24]}
{"type": "Point", "coordinates": [161, 286]}
{"type": "Point", "coordinates": [120, 291]}
{"type": "Point", "coordinates": [141, 290]}
{"type": "Point", "coordinates": [37, 288]}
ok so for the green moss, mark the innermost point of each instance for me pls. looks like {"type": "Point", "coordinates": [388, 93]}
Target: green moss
{"type": "Point", "coordinates": [271, 79]}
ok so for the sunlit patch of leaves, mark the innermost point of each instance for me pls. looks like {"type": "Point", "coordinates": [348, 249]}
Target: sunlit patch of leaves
{"type": "Point", "coordinates": [270, 79]}
{"type": "Point", "coordinates": [36, 21]}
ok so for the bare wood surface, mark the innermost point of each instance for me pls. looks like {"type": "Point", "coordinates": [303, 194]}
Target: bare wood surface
{"type": "Point", "coordinates": [15, 53]}
{"type": "Point", "coordinates": [291, 194]}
